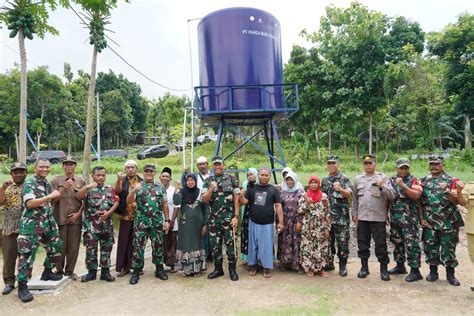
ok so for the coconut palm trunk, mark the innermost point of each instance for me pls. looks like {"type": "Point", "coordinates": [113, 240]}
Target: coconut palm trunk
{"type": "Point", "coordinates": [90, 117]}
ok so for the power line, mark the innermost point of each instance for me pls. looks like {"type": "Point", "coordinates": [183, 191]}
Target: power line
{"type": "Point", "coordinates": [125, 61]}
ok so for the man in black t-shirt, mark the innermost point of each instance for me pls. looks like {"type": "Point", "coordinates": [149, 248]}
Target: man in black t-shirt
{"type": "Point", "coordinates": [263, 199]}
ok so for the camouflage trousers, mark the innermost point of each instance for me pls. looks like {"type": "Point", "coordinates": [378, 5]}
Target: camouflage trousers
{"type": "Point", "coordinates": [440, 246]}
{"type": "Point", "coordinates": [407, 244]}
{"type": "Point", "coordinates": [91, 241]}
{"type": "Point", "coordinates": [220, 232]}
{"type": "Point", "coordinates": [340, 235]}
{"type": "Point", "coordinates": [140, 236]}
{"type": "Point", "coordinates": [27, 248]}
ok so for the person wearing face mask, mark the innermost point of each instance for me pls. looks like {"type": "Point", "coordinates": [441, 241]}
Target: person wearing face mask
{"type": "Point", "coordinates": [441, 219]}
{"type": "Point", "coordinates": [252, 175]}
{"type": "Point", "coordinates": [264, 201]}
{"type": "Point", "coordinates": [370, 200]}
{"type": "Point", "coordinates": [290, 238]}
{"type": "Point", "coordinates": [314, 248]}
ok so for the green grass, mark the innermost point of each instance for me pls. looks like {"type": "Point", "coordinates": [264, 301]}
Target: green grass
{"type": "Point", "coordinates": [319, 303]}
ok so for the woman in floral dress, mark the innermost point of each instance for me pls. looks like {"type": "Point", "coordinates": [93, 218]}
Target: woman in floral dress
{"type": "Point", "coordinates": [315, 248]}
{"type": "Point", "coordinates": [289, 254]}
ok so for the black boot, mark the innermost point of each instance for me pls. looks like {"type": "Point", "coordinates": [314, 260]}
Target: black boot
{"type": "Point", "coordinates": [48, 275]}
{"type": "Point", "coordinates": [399, 269]}
{"type": "Point", "coordinates": [342, 267]}
{"type": "Point", "coordinates": [135, 277]}
{"type": "Point", "coordinates": [330, 266]}
{"type": "Point", "coordinates": [450, 277]}
{"type": "Point", "coordinates": [8, 288]}
{"type": "Point", "coordinates": [160, 273]}
{"type": "Point", "coordinates": [217, 272]}
{"type": "Point", "coordinates": [90, 276]}
{"type": "Point", "coordinates": [414, 275]}
{"type": "Point", "coordinates": [23, 293]}
{"type": "Point", "coordinates": [233, 273]}
{"type": "Point", "coordinates": [106, 276]}
{"type": "Point", "coordinates": [383, 272]}
{"type": "Point", "coordinates": [433, 276]}
{"type": "Point", "coordinates": [364, 270]}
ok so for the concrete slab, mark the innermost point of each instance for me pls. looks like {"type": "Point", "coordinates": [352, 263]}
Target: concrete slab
{"type": "Point", "coordinates": [38, 284]}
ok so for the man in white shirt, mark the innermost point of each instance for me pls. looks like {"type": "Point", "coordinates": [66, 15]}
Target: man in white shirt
{"type": "Point", "coordinates": [171, 237]}
{"type": "Point", "coordinates": [203, 171]}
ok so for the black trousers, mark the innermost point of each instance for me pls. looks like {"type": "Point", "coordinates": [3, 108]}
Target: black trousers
{"type": "Point", "coordinates": [376, 230]}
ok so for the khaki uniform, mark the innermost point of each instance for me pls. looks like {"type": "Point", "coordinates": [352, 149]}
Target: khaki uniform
{"type": "Point", "coordinates": [469, 225]}
{"type": "Point", "coordinates": [69, 233]}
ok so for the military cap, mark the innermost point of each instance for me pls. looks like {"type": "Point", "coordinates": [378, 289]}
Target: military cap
{"type": "Point", "coordinates": [149, 167]}
{"type": "Point", "coordinates": [368, 158]}
{"type": "Point", "coordinates": [333, 158]}
{"type": "Point", "coordinates": [217, 159]}
{"type": "Point", "coordinates": [18, 165]}
{"type": "Point", "coordinates": [69, 159]}
{"type": "Point", "coordinates": [435, 159]}
{"type": "Point", "coordinates": [403, 162]}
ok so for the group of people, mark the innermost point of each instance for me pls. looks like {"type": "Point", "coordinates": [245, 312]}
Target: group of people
{"type": "Point", "coordinates": [196, 219]}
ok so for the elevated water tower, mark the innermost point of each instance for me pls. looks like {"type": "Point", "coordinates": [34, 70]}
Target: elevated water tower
{"type": "Point", "coordinates": [241, 78]}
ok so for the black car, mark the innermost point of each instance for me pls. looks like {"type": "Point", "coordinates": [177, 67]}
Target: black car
{"type": "Point", "coordinates": [54, 156]}
{"type": "Point", "coordinates": [121, 153]}
{"type": "Point", "coordinates": [155, 151]}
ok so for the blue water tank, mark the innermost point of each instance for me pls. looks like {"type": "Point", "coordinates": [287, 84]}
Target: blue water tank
{"type": "Point", "coordinates": [240, 46]}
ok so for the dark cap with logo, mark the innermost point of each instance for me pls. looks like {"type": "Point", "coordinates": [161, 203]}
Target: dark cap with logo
{"type": "Point", "coordinates": [217, 159]}
{"type": "Point", "coordinates": [18, 166]}
{"type": "Point", "coordinates": [332, 158]}
{"type": "Point", "coordinates": [368, 158]}
{"type": "Point", "coordinates": [69, 159]}
{"type": "Point", "coordinates": [149, 167]}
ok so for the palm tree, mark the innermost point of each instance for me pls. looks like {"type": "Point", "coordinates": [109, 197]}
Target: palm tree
{"type": "Point", "coordinates": [97, 16]}
{"type": "Point", "coordinates": [24, 19]}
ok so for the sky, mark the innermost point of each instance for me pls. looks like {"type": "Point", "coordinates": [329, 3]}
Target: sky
{"type": "Point", "coordinates": [156, 38]}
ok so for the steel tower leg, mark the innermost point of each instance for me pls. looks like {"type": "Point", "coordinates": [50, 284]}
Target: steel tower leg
{"type": "Point", "coordinates": [269, 147]}
{"type": "Point", "coordinates": [219, 138]}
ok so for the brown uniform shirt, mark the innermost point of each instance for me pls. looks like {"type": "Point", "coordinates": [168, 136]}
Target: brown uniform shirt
{"type": "Point", "coordinates": [68, 203]}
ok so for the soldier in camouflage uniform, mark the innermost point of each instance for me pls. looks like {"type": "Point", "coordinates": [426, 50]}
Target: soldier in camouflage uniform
{"type": "Point", "coordinates": [37, 225]}
{"type": "Point", "coordinates": [221, 191]}
{"type": "Point", "coordinates": [338, 188]}
{"type": "Point", "coordinates": [441, 219]}
{"type": "Point", "coordinates": [404, 219]}
{"type": "Point", "coordinates": [100, 202]}
{"type": "Point", "coordinates": [152, 205]}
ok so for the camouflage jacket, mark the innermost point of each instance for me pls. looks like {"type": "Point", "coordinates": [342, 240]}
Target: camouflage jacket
{"type": "Point", "coordinates": [438, 211]}
{"type": "Point", "coordinates": [222, 200]}
{"type": "Point", "coordinates": [149, 211]}
{"type": "Point", "coordinates": [339, 205]}
{"type": "Point", "coordinates": [98, 201]}
{"type": "Point", "coordinates": [37, 220]}
{"type": "Point", "coordinates": [403, 210]}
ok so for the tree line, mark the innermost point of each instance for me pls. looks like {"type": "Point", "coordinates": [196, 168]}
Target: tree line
{"type": "Point", "coordinates": [374, 82]}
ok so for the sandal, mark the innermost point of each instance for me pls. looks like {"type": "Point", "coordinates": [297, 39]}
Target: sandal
{"type": "Point", "coordinates": [267, 273]}
{"type": "Point", "coordinates": [310, 273]}
{"type": "Point", "coordinates": [252, 271]}
{"type": "Point", "coordinates": [122, 273]}
{"type": "Point", "coordinates": [324, 274]}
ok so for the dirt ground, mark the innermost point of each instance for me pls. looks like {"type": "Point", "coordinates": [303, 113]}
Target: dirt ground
{"type": "Point", "coordinates": [286, 293]}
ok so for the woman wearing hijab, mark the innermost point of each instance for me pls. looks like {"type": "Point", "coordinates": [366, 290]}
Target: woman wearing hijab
{"type": "Point", "coordinates": [252, 174]}
{"type": "Point", "coordinates": [284, 172]}
{"type": "Point", "coordinates": [315, 247]}
{"type": "Point", "coordinates": [192, 225]}
{"type": "Point", "coordinates": [290, 238]}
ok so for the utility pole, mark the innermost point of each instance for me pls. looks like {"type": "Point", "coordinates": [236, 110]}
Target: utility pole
{"type": "Point", "coordinates": [98, 128]}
